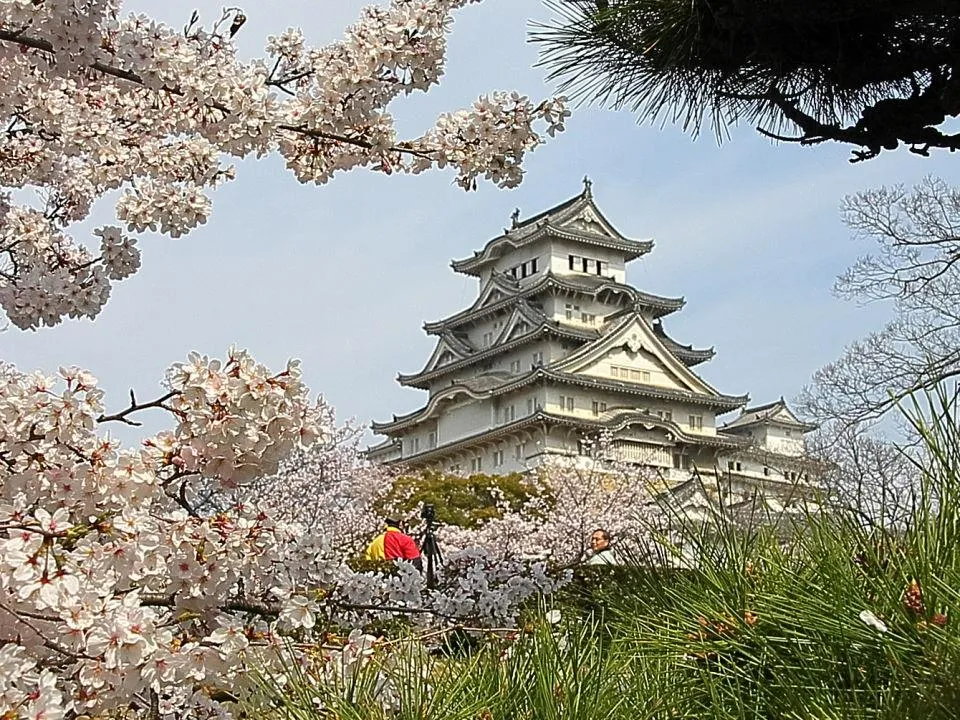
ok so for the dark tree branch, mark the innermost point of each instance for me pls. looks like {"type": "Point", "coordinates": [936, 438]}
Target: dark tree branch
{"type": "Point", "coordinates": [136, 407]}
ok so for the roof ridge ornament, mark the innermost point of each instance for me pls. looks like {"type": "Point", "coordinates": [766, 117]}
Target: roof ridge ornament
{"type": "Point", "coordinates": [587, 187]}
{"type": "Point", "coordinates": [515, 218]}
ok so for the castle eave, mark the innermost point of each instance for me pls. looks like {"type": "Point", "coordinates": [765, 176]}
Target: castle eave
{"type": "Point", "coordinates": [616, 422]}
{"type": "Point", "coordinates": [717, 401]}
{"type": "Point", "coordinates": [658, 305]}
{"type": "Point", "coordinates": [423, 379]}
{"type": "Point", "coordinates": [510, 240]}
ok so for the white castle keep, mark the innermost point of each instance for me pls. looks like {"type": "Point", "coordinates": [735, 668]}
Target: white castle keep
{"type": "Point", "coordinates": [558, 347]}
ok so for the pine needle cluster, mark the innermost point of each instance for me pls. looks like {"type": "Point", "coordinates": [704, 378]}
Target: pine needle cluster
{"type": "Point", "coordinates": [773, 63]}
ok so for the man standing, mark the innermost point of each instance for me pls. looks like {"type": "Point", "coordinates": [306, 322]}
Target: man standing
{"type": "Point", "coordinates": [602, 553]}
{"type": "Point", "coordinates": [394, 544]}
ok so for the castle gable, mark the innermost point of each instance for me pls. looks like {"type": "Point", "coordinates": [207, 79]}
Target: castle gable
{"type": "Point", "coordinates": [631, 353]}
{"type": "Point", "coordinates": [449, 350]}
{"type": "Point", "coordinates": [586, 218]}
{"type": "Point", "coordinates": [523, 319]}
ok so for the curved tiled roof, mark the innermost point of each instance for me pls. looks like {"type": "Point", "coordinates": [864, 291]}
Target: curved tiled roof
{"type": "Point", "coordinates": [632, 249]}
{"type": "Point", "coordinates": [542, 224]}
{"type": "Point", "coordinates": [775, 413]}
{"type": "Point", "coordinates": [687, 354]}
{"type": "Point", "coordinates": [511, 383]}
{"type": "Point", "coordinates": [590, 284]}
{"type": "Point", "coordinates": [613, 423]}
{"type": "Point", "coordinates": [423, 378]}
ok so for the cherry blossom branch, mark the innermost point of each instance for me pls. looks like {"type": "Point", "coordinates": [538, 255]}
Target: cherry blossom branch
{"type": "Point", "coordinates": [359, 142]}
{"type": "Point", "coordinates": [136, 407]}
{"type": "Point", "coordinates": [46, 46]}
{"type": "Point", "coordinates": [47, 642]}
{"type": "Point", "coordinates": [252, 607]}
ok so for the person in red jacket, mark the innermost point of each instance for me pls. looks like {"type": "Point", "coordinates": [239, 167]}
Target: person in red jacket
{"type": "Point", "coordinates": [394, 544]}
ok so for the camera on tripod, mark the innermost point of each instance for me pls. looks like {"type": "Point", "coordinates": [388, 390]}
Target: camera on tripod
{"type": "Point", "coordinates": [429, 513]}
{"type": "Point", "coordinates": [429, 544]}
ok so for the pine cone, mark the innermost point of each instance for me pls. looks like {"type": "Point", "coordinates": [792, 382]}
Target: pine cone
{"type": "Point", "coordinates": [913, 598]}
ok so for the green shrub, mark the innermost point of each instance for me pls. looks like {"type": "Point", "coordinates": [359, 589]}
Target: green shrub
{"type": "Point", "coordinates": [461, 501]}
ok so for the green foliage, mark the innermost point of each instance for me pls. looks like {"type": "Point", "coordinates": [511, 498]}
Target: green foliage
{"type": "Point", "coordinates": [462, 501]}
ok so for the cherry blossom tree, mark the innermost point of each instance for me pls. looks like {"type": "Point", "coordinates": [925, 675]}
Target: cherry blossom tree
{"type": "Point", "coordinates": [115, 591]}
{"type": "Point", "coordinates": [576, 495]}
{"type": "Point", "coordinates": [329, 487]}
{"type": "Point", "coordinates": [118, 591]}
{"type": "Point", "coordinates": [95, 103]}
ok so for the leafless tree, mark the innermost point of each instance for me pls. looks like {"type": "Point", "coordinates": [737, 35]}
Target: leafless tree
{"type": "Point", "coordinates": [916, 266]}
{"type": "Point", "coordinates": [866, 473]}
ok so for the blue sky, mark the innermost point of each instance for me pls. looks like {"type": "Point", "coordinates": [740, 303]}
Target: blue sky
{"type": "Point", "coordinates": [342, 276]}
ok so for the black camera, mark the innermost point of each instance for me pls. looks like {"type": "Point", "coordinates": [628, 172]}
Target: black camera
{"type": "Point", "coordinates": [428, 512]}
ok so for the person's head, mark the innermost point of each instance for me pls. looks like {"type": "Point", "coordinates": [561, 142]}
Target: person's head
{"type": "Point", "coordinates": [599, 540]}
{"type": "Point", "coordinates": [395, 523]}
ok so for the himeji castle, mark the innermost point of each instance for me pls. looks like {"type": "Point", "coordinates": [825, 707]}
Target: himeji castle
{"type": "Point", "coordinates": [556, 348]}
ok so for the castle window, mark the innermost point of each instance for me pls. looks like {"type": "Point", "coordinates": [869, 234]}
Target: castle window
{"type": "Point", "coordinates": [487, 339]}
{"type": "Point", "coordinates": [515, 366]}
{"type": "Point", "coordinates": [729, 464]}
{"type": "Point", "coordinates": [537, 360]}
{"type": "Point", "coordinates": [766, 471]}
{"type": "Point", "coordinates": [593, 266]}
{"type": "Point", "coordinates": [595, 407]}
{"type": "Point", "coordinates": [476, 464]}
{"type": "Point", "coordinates": [566, 403]}
{"type": "Point", "coordinates": [432, 439]}
{"type": "Point", "coordinates": [416, 444]}
{"type": "Point", "coordinates": [677, 461]}
{"type": "Point", "coordinates": [696, 422]}
{"type": "Point", "coordinates": [497, 458]}
{"type": "Point", "coordinates": [518, 452]}
{"type": "Point", "coordinates": [588, 318]}
{"type": "Point", "coordinates": [570, 310]}
{"type": "Point", "coordinates": [525, 269]}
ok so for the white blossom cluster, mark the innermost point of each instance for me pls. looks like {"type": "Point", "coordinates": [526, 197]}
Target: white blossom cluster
{"type": "Point", "coordinates": [95, 102]}
{"type": "Point", "coordinates": [573, 497]}
{"type": "Point", "coordinates": [330, 488]}
{"type": "Point", "coordinates": [114, 591]}
{"type": "Point", "coordinates": [117, 591]}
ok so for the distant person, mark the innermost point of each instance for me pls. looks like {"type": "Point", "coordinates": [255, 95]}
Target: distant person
{"type": "Point", "coordinates": [600, 551]}
{"type": "Point", "coordinates": [394, 544]}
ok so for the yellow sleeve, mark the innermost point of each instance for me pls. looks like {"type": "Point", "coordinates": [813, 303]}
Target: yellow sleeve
{"type": "Point", "coordinates": [375, 549]}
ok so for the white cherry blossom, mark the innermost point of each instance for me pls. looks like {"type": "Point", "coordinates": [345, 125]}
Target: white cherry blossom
{"type": "Point", "coordinates": [96, 102]}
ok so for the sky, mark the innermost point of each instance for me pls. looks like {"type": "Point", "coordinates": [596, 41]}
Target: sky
{"type": "Point", "coordinates": [343, 276]}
